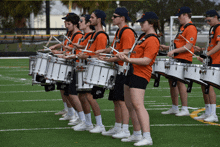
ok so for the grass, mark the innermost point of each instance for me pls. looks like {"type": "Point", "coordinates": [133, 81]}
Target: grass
{"type": "Point", "coordinates": [41, 128]}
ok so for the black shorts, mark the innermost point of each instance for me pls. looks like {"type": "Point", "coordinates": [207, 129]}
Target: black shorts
{"type": "Point", "coordinates": [97, 92]}
{"type": "Point", "coordinates": [72, 86]}
{"type": "Point", "coordinates": [183, 61]}
{"type": "Point", "coordinates": [134, 81]}
{"type": "Point", "coordinates": [215, 65]}
{"type": "Point", "coordinates": [84, 92]}
{"type": "Point", "coordinates": [118, 92]}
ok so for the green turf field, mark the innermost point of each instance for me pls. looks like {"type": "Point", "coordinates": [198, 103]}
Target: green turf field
{"type": "Point", "coordinates": [27, 116]}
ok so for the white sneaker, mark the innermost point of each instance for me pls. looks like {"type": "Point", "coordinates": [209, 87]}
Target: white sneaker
{"type": "Point", "coordinates": [90, 127]}
{"type": "Point", "coordinates": [201, 117]}
{"type": "Point", "coordinates": [64, 115]}
{"type": "Point", "coordinates": [144, 141]}
{"type": "Point", "coordinates": [80, 127]}
{"type": "Point", "coordinates": [132, 138]}
{"type": "Point", "coordinates": [183, 112]}
{"type": "Point", "coordinates": [98, 129]}
{"type": "Point", "coordinates": [61, 112]}
{"type": "Point", "coordinates": [212, 118]}
{"type": "Point", "coordinates": [122, 134]}
{"type": "Point", "coordinates": [170, 111]}
{"type": "Point", "coordinates": [67, 117]}
{"type": "Point", "coordinates": [111, 131]}
{"type": "Point", "coordinates": [74, 122]}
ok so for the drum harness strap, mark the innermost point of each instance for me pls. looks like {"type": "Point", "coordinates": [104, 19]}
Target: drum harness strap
{"type": "Point", "coordinates": [117, 40]}
{"type": "Point", "coordinates": [180, 32]}
{"type": "Point", "coordinates": [137, 42]}
{"type": "Point", "coordinates": [93, 39]}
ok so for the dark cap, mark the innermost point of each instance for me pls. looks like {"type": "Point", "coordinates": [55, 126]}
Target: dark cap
{"type": "Point", "coordinates": [122, 11]}
{"type": "Point", "coordinates": [211, 13]}
{"type": "Point", "coordinates": [69, 14]}
{"type": "Point", "coordinates": [148, 15]}
{"type": "Point", "coordinates": [100, 14]}
{"type": "Point", "coordinates": [87, 16]}
{"type": "Point", "coordinates": [183, 10]}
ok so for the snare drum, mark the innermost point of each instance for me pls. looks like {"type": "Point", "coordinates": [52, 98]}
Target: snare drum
{"type": "Point", "coordinates": [41, 64]}
{"type": "Point", "coordinates": [192, 72]}
{"type": "Point", "coordinates": [80, 75]}
{"type": "Point", "coordinates": [153, 74]}
{"type": "Point", "coordinates": [159, 66]}
{"type": "Point", "coordinates": [100, 73]}
{"type": "Point", "coordinates": [62, 70]}
{"type": "Point", "coordinates": [176, 70]}
{"type": "Point", "coordinates": [211, 75]}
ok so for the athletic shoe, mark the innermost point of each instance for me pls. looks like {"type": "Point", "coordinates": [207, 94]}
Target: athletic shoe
{"type": "Point", "coordinates": [132, 138]}
{"type": "Point", "coordinates": [74, 122]}
{"type": "Point", "coordinates": [64, 114]}
{"type": "Point", "coordinates": [122, 134]}
{"type": "Point", "coordinates": [201, 117]}
{"type": "Point", "coordinates": [170, 111]}
{"type": "Point", "coordinates": [212, 118]}
{"type": "Point", "coordinates": [144, 141]}
{"type": "Point", "coordinates": [67, 117]}
{"type": "Point", "coordinates": [183, 112]}
{"type": "Point", "coordinates": [90, 127]}
{"type": "Point", "coordinates": [61, 112]}
{"type": "Point", "coordinates": [80, 127]}
{"type": "Point", "coordinates": [111, 131]}
{"type": "Point", "coordinates": [98, 129]}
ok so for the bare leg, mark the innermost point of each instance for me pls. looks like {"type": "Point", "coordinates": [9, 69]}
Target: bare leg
{"type": "Point", "coordinates": [183, 93]}
{"type": "Point", "coordinates": [174, 93]}
{"type": "Point", "coordinates": [94, 104]}
{"type": "Point", "coordinates": [118, 114]}
{"type": "Point", "coordinates": [84, 102]}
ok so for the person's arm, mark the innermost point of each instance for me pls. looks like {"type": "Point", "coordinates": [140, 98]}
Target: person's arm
{"type": "Point", "coordinates": [138, 61]}
{"type": "Point", "coordinates": [55, 46]}
{"type": "Point", "coordinates": [214, 50]}
{"type": "Point", "coordinates": [180, 50]}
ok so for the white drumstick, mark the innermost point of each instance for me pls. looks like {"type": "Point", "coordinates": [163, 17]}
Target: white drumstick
{"type": "Point", "coordinates": [49, 41]}
{"type": "Point", "coordinates": [57, 40]}
{"type": "Point", "coordinates": [67, 38]}
{"type": "Point", "coordinates": [114, 50]}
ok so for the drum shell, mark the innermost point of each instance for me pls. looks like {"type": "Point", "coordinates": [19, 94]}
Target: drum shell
{"type": "Point", "coordinates": [159, 66]}
{"type": "Point", "coordinates": [100, 73]}
{"type": "Point", "coordinates": [176, 70]}
{"type": "Point", "coordinates": [41, 64]}
{"type": "Point", "coordinates": [192, 72]}
{"type": "Point", "coordinates": [211, 75]}
{"type": "Point", "coordinates": [82, 86]}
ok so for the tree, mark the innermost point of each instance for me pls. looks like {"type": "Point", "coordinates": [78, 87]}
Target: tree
{"type": "Point", "coordinates": [14, 13]}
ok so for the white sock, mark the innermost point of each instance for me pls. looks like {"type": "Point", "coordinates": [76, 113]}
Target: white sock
{"type": "Point", "coordinates": [117, 125]}
{"type": "Point", "coordinates": [65, 106]}
{"type": "Point", "coordinates": [207, 109]}
{"type": "Point", "coordinates": [136, 133]}
{"type": "Point", "coordinates": [88, 119]}
{"type": "Point", "coordinates": [146, 135]}
{"type": "Point", "coordinates": [175, 107]}
{"type": "Point", "coordinates": [184, 108]}
{"type": "Point", "coordinates": [82, 116]}
{"type": "Point", "coordinates": [70, 111]}
{"type": "Point", "coordinates": [99, 120]}
{"type": "Point", "coordinates": [125, 127]}
{"type": "Point", "coordinates": [213, 109]}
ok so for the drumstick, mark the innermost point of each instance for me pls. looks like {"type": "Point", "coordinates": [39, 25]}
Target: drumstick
{"type": "Point", "coordinates": [189, 43]}
{"type": "Point", "coordinates": [114, 50]}
{"type": "Point", "coordinates": [49, 40]}
{"type": "Point", "coordinates": [96, 53]}
{"type": "Point", "coordinates": [67, 39]}
{"type": "Point", "coordinates": [57, 40]}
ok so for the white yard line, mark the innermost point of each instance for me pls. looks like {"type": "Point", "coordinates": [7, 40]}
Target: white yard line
{"type": "Point", "coordinates": [63, 128]}
{"type": "Point", "coordinates": [43, 100]}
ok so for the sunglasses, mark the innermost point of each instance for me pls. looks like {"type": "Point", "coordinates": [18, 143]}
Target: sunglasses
{"type": "Point", "coordinates": [115, 16]}
{"type": "Point", "coordinates": [208, 20]}
{"type": "Point", "coordinates": [81, 20]}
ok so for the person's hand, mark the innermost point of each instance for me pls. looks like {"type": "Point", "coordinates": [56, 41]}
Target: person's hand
{"type": "Point", "coordinates": [52, 47]}
{"type": "Point", "coordinates": [199, 58]}
{"type": "Point", "coordinates": [82, 55]}
{"type": "Point", "coordinates": [123, 57]}
{"type": "Point", "coordinates": [170, 53]}
{"type": "Point", "coordinates": [67, 48]}
{"type": "Point", "coordinates": [198, 49]}
{"type": "Point", "coordinates": [163, 47]}
{"type": "Point", "coordinates": [100, 51]}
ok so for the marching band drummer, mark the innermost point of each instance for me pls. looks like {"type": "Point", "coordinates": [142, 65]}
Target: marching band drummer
{"type": "Point", "coordinates": [67, 106]}
{"type": "Point", "coordinates": [85, 96]}
{"type": "Point", "coordinates": [212, 18]}
{"type": "Point", "coordinates": [127, 39]}
{"type": "Point", "coordinates": [97, 20]}
{"type": "Point", "coordinates": [188, 31]}
{"type": "Point", "coordinates": [142, 59]}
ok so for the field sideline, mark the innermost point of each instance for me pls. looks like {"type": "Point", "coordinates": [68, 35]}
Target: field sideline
{"type": "Point", "coordinates": [27, 115]}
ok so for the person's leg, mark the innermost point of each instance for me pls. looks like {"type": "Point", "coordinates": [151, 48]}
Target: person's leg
{"type": "Point", "coordinates": [174, 92]}
{"type": "Point", "coordinates": [207, 105]}
{"type": "Point", "coordinates": [64, 111]}
{"type": "Point", "coordinates": [212, 98]}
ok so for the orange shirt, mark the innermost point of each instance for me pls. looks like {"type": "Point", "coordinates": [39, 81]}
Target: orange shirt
{"type": "Point", "coordinates": [99, 43]}
{"type": "Point", "coordinates": [190, 33]}
{"type": "Point", "coordinates": [214, 41]}
{"type": "Point", "coordinates": [149, 48]}
{"type": "Point", "coordinates": [75, 40]}
{"type": "Point", "coordinates": [126, 42]}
